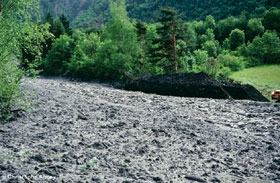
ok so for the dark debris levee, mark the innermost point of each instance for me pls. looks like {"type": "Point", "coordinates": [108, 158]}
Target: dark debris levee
{"type": "Point", "coordinates": [194, 85]}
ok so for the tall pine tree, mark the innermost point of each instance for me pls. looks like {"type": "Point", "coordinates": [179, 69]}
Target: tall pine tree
{"type": "Point", "coordinates": [169, 32]}
{"type": "Point", "coordinates": [141, 34]}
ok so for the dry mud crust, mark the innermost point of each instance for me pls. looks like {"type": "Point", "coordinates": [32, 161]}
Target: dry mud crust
{"type": "Point", "coordinates": [194, 85]}
{"type": "Point", "coordinates": [88, 132]}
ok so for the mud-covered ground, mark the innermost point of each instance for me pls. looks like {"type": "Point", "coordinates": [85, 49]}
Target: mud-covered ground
{"type": "Point", "coordinates": [90, 132]}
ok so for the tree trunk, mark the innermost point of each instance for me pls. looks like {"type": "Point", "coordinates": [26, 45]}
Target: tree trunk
{"type": "Point", "coordinates": [174, 45]}
{"type": "Point", "coordinates": [143, 49]}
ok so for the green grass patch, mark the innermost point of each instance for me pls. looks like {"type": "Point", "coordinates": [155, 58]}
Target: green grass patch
{"type": "Point", "coordinates": [265, 78]}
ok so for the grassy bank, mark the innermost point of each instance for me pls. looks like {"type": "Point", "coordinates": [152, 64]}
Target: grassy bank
{"type": "Point", "coordinates": [265, 78]}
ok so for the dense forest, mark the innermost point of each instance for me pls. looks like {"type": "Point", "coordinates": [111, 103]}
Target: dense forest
{"type": "Point", "coordinates": [86, 13]}
{"type": "Point", "coordinates": [125, 48]}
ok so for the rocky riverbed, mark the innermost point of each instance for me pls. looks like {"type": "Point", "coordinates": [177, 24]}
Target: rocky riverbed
{"type": "Point", "coordinates": [91, 132]}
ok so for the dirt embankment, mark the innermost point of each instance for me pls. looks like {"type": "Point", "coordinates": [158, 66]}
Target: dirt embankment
{"type": "Point", "coordinates": [89, 132]}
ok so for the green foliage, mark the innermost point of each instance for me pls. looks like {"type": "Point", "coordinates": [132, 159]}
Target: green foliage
{"type": "Point", "coordinates": [236, 38]}
{"type": "Point", "coordinates": [225, 27]}
{"type": "Point", "coordinates": [125, 49]}
{"type": "Point", "coordinates": [57, 29]}
{"type": "Point", "coordinates": [59, 56]}
{"type": "Point", "coordinates": [117, 55]}
{"type": "Point", "coordinates": [264, 50]}
{"type": "Point", "coordinates": [189, 36]}
{"type": "Point", "coordinates": [32, 45]}
{"type": "Point", "coordinates": [255, 28]}
{"type": "Point", "coordinates": [82, 62]}
{"type": "Point", "coordinates": [211, 67]}
{"type": "Point", "coordinates": [14, 17]}
{"type": "Point", "coordinates": [233, 62]}
{"type": "Point", "coordinates": [211, 48]}
{"type": "Point", "coordinates": [210, 22]}
{"type": "Point", "coordinates": [169, 31]}
{"type": "Point", "coordinates": [87, 13]}
{"type": "Point", "coordinates": [271, 19]}
{"type": "Point", "coordinates": [66, 24]}
{"type": "Point", "coordinates": [201, 56]}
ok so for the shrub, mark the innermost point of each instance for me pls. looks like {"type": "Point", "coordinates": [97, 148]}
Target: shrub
{"type": "Point", "coordinates": [211, 67]}
{"type": "Point", "coordinates": [211, 47]}
{"type": "Point", "coordinates": [59, 56]}
{"type": "Point", "coordinates": [230, 61]}
{"type": "Point", "coordinates": [200, 56]}
{"type": "Point", "coordinates": [10, 79]}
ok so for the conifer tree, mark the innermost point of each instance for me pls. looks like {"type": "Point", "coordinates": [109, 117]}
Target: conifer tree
{"type": "Point", "coordinates": [169, 32]}
{"type": "Point", "coordinates": [141, 33]}
{"type": "Point", "coordinates": [66, 24]}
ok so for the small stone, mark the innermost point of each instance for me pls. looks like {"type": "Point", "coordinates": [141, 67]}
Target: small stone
{"type": "Point", "coordinates": [193, 178]}
{"type": "Point", "coordinates": [82, 117]}
{"type": "Point", "coordinates": [215, 179]}
{"type": "Point", "coordinates": [39, 158]}
{"type": "Point", "coordinates": [157, 179]}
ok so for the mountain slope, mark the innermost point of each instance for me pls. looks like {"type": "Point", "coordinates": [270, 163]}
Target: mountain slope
{"type": "Point", "coordinates": [84, 13]}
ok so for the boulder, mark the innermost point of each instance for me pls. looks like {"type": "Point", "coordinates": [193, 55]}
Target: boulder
{"type": "Point", "coordinates": [194, 85]}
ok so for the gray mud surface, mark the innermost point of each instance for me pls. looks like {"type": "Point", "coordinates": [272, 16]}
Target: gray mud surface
{"type": "Point", "coordinates": [90, 132]}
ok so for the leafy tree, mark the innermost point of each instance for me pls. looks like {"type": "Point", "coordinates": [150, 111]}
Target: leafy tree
{"type": "Point", "coordinates": [255, 28]}
{"type": "Point", "coordinates": [82, 62]}
{"type": "Point", "coordinates": [59, 56]}
{"type": "Point", "coordinates": [117, 56]}
{"type": "Point", "coordinates": [224, 27]}
{"type": "Point", "coordinates": [208, 36]}
{"type": "Point", "coordinates": [200, 56]}
{"type": "Point", "coordinates": [210, 22]}
{"type": "Point", "coordinates": [211, 48]}
{"type": "Point", "coordinates": [236, 38]}
{"type": "Point", "coordinates": [189, 36]}
{"type": "Point", "coordinates": [211, 67]}
{"type": "Point", "coordinates": [271, 19]}
{"type": "Point", "coordinates": [265, 49]}
{"type": "Point", "coordinates": [14, 18]}
{"type": "Point", "coordinates": [32, 45]}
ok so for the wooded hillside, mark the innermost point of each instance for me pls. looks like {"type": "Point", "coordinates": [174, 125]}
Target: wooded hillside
{"type": "Point", "coordinates": [85, 13]}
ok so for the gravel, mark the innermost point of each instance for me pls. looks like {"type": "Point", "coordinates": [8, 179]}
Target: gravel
{"type": "Point", "coordinates": [91, 132]}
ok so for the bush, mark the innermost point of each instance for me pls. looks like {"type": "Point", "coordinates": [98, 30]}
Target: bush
{"type": "Point", "coordinates": [111, 63]}
{"type": "Point", "coordinates": [211, 67]}
{"type": "Point", "coordinates": [10, 79]}
{"type": "Point", "coordinates": [211, 47]}
{"type": "Point", "coordinates": [82, 62]}
{"type": "Point", "coordinates": [59, 56]}
{"type": "Point", "coordinates": [232, 62]}
{"type": "Point", "coordinates": [200, 56]}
